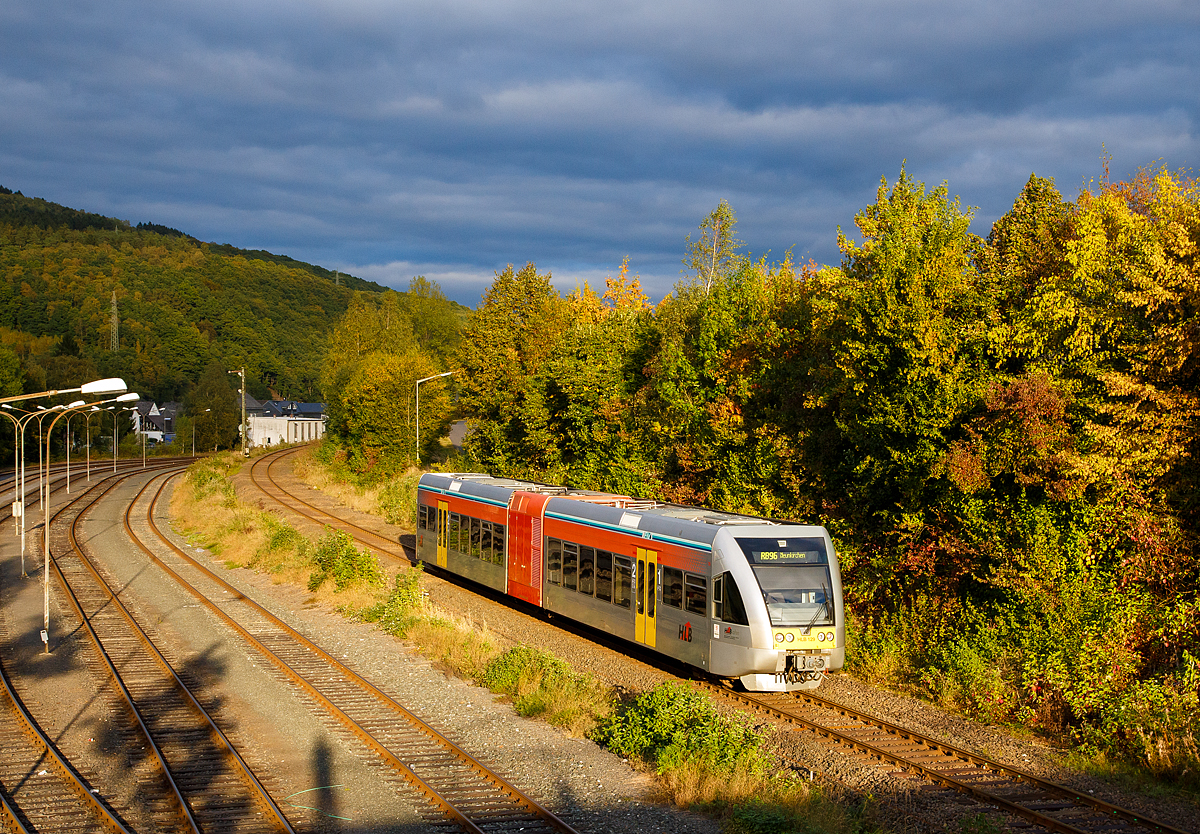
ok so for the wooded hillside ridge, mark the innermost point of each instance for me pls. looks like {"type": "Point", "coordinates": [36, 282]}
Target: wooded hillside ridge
{"type": "Point", "coordinates": [181, 305]}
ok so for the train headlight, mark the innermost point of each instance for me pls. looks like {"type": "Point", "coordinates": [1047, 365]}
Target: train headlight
{"type": "Point", "coordinates": [820, 637]}
{"type": "Point", "coordinates": [790, 637]}
{"type": "Point", "coordinates": [778, 638]}
{"type": "Point", "coordinates": [829, 637]}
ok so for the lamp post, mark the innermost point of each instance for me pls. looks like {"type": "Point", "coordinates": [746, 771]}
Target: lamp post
{"type": "Point", "coordinates": [69, 418]}
{"type": "Point", "coordinates": [417, 410]}
{"type": "Point", "coordinates": [242, 373]}
{"type": "Point", "coordinates": [17, 499]}
{"type": "Point", "coordinates": [19, 502]}
{"type": "Point", "coordinates": [88, 423]}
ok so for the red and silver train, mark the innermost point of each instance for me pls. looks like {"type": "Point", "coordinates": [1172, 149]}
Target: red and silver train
{"type": "Point", "coordinates": [739, 597]}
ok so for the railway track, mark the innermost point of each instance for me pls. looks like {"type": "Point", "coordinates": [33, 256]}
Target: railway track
{"type": "Point", "coordinates": [1022, 798]}
{"type": "Point", "coordinates": [212, 787]}
{"type": "Point", "coordinates": [40, 789]}
{"type": "Point", "coordinates": [262, 477]}
{"type": "Point", "coordinates": [460, 788]}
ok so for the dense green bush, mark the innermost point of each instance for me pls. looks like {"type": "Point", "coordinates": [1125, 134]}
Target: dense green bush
{"type": "Point", "coordinates": [673, 725]}
{"type": "Point", "coordinates": [338, 559]}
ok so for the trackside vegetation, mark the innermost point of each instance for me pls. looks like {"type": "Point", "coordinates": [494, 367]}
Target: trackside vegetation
{"type": "Point", "coordinates": [1000, 433]}
{"type": "Point", "coordinates": [701, 758]}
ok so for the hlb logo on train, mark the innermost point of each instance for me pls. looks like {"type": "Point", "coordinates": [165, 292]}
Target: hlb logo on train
{"type": "Point", "coordinates": [685, 632]}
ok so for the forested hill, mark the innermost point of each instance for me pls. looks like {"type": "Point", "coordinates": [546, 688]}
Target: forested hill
{"type": "Point", "coordinates": [182, 304]}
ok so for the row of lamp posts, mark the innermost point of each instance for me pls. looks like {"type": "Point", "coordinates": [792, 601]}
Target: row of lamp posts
{"type": "Point", "coordinates": [101, 388]}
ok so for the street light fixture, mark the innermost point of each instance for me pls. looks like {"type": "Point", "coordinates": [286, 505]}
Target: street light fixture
{"type": "Point", "coordinates": [114, 385]}
{"type": "Point", "coordinates": [417, 410]}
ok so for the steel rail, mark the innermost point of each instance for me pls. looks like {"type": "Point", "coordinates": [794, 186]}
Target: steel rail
{"type": "Point", "coordinates": [10, 816]}
{"type": "Point", "coordinates": [981, 761]}
{"type": "Point", "coordinates": [530, 805]}
{"type": "Point", "coordinates": [215, 731]}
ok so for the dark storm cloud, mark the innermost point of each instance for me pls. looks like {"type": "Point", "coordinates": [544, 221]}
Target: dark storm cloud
{"type": "Point", "coordinates": [451, 138]}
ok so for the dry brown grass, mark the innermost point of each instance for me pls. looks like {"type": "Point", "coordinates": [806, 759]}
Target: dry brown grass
{"type": "Point", "coordinates": [458, 644]}
{"type": "Point", "coordinates": [1174, 757]}
{"type": "Point", "coordinates": [311, 471]}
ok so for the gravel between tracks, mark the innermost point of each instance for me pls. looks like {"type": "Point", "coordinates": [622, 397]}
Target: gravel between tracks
{"type": "Point", "coordinates": [901, 802]}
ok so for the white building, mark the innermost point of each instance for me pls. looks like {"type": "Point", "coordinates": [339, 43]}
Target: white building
{"type": "Point", "coordinates": [271, 431]}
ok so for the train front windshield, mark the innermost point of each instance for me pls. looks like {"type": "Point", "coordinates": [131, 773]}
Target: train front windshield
{"type": "Point", "coordinates": [793, 574]}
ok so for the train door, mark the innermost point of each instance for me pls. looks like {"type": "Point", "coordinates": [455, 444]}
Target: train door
{"type": "Point", "coordinates": [526, 516]}
{"type": "Point", "coordinates": [443, 527]}
{"type": "Point", "coordinates": [645, 628]}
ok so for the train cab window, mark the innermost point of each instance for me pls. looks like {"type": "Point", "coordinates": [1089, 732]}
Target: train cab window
{"type": "Point", "coordinates": [554, 561]}
{"type": "Point", "coordinates": [587, 570]}
{"type": "Point", "coordinates": [570, 564]}
{"type": "Point", "coordinates": [672, 587]}
{"type": "Point", "coordinates": [695, 593]}
{"type": "Point", "coordinates": [485, 541]}
{"type": "Point", "coordinates": [604, 575]}
{"type": "Point", "coordinates": [498, 543]}
{"type": "Point", "coordinates": [727, 601]}
{"type": "Point", "coordinates": [622, 580]}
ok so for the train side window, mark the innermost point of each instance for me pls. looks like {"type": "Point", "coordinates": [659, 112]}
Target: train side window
{"type": "Point", "coordinates": [498, 542]}
{"type": "Point", "coordinates": [672, 587]}
{"type": "Point", "coordinates": [476, 535]}
{"type": "Point", "coordinates": [587, 570]}
{"type": "Point", "coordinates": [695, 593]}
{"type": "Point", "coordinates": [622, 580]}
{"type": "Point", "coordinates": [604, 575]}
{"type": "Point", "coordinates": [485, 541]}
{"type": "Point", "coordinates": [729, 603]}
{"type": "Point", "coordinates": [554, 561]}
{"type": "Point", "coordinates": [570, 565]}
{"type": "Point", "coordinates": [452, 529]}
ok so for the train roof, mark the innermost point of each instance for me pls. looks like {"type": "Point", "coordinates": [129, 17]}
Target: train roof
{"type": "Point", "coordinates": [621, 511]}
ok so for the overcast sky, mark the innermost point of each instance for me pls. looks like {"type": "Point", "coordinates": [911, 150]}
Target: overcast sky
{"type": "Point", "coordinates": [390, 139]}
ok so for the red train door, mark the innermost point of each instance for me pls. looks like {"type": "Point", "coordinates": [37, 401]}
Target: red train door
{"type": "Point", "coordinates": [526, 513]}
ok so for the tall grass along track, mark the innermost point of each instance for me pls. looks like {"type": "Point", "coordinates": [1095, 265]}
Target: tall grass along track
{"type": "Point", "coordinates": [461, 788]}
{"type": "Point", "coordinates": [1022, 795]}
{"type": "Point", "coordinates": [213, 786]}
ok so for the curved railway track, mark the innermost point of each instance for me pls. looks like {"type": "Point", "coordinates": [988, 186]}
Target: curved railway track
{"type": "Point", "coordinates": [212, 786]}
{"type": "Point", "coordinates": [1025, 799]}
{"type": "Point", "coordinates": [40, 790]}
{"type": "Point", "coordinates": [461, 788]}
{"type": "Point", "coordinates": [261, 477]}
